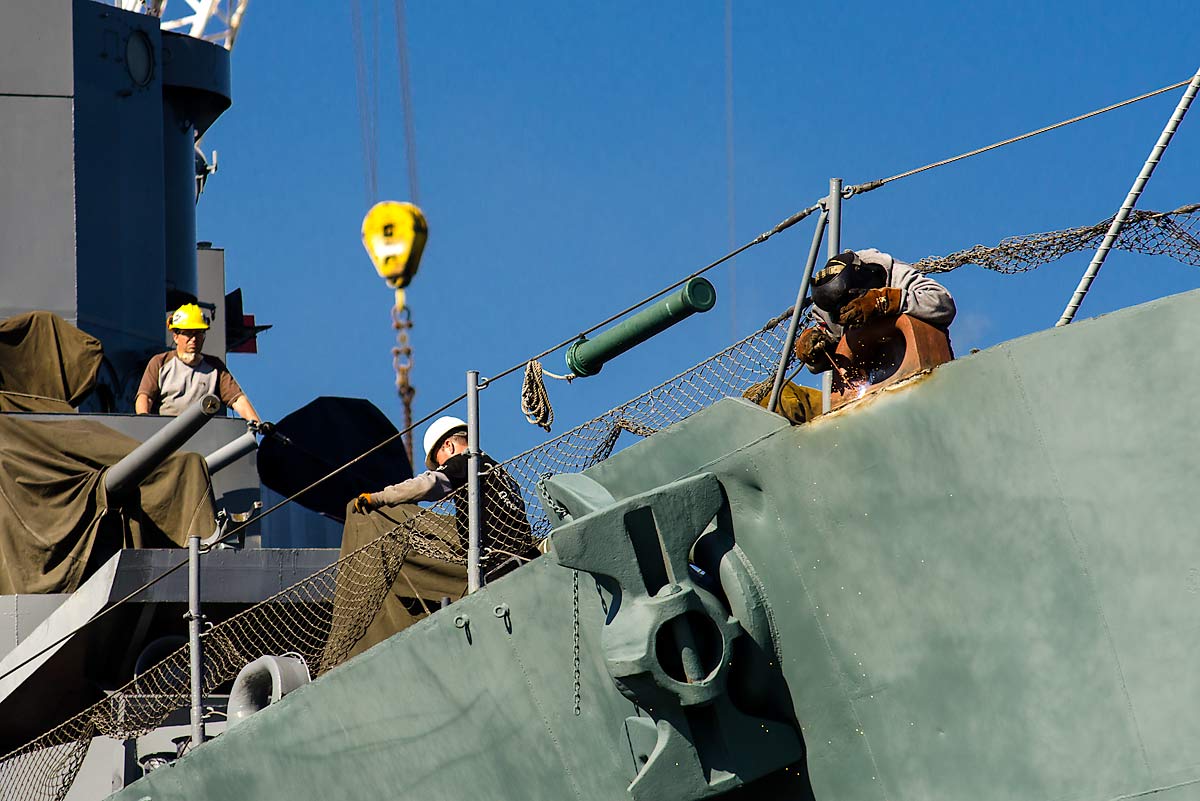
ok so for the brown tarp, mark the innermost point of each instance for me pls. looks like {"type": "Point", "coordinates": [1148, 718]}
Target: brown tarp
{"type": "Point", "coordinates": [412, 584]}
{"type": "Point", "coordinates": [798, 404]}
{"type": "Point", "coordinates": [46, 364]}
{"type": "Point", "coordinates": [56, 522]}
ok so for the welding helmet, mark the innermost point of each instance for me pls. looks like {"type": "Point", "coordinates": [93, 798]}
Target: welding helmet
{"type": "Point", "coordinates": [437, 433]}
{"type": "Point", "coordinates": [188, 317]}
{"type": "Point", "coordinates": [844, 278]}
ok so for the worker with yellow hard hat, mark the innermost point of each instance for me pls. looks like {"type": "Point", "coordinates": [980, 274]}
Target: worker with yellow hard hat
{"type": "Point", "coordinates": [176, 379]}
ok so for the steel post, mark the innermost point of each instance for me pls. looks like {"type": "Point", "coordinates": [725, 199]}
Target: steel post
{"type": "Point", "coordinates": [473, 499]}
{"type": "Point", "coordinates": [129, 472]}
{"type": "Point", "coordinates": [834, 205]}
{"type": "Point", "coordinates": [798, 310]}
{"type": "Point", "coordinates": [1114, 229]}
{"type": "Point", "coordinates": [197, 658]}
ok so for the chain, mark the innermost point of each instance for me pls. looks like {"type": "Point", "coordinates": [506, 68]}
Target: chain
{"type": "Point", "coordinates": [402, 362]}
{"type": "Point", "coordinates": [575, 637]}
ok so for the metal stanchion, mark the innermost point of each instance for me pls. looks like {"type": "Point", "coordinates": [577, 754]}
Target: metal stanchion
{"type": "Point", "coordinates": [834, 206]}
{"type": "Point", "coordinates": [194, 619]}
{"type": "Point", "coordinates": [473, 499]}
{"type": "Point", "coordinates": [797, 311]}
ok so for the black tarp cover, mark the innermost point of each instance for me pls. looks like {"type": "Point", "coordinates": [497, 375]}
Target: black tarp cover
{"type": "Point", "coordinates": [57, 523]}
{"type": "Point", "coordinates": [322, 436]}
{"type": "Point", "coordinates": [46, 364]}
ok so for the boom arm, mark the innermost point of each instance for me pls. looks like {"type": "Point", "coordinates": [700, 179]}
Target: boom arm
{"type": "Point", "coordinates": [203, 19]}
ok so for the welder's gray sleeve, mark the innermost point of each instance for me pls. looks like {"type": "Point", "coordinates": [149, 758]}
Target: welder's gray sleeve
{"type": "Point", "coordinates": [834, 328]}
{"type": "Point", "coordinates": [924, 298]}
{"type": "Point", "coordinates": [432, 485]}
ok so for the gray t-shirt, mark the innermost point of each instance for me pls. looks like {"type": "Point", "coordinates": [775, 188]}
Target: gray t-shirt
{"type": "Point", "coordinates": [173, 386]}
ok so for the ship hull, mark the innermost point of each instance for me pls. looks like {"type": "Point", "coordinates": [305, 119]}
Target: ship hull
{"type": "Point", "coordinates": [983, 583]}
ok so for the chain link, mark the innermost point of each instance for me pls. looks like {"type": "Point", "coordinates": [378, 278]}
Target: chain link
{"type": "Point", "coordinates": [575, 639]}
{"type": "Point", "coordinates": [402, 362]}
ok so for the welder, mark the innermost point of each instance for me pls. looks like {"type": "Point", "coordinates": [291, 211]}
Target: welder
{"type": "Point", "coordinates": [857, 287]}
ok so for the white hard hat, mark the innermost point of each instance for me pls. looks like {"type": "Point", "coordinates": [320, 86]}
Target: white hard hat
{"type": "Point", "coordinates": [436, 434]}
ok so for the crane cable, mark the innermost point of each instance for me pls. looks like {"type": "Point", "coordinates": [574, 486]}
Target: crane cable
{"type": "Point", "coordinates": [406, 103]}
{"type": "Point", "coordinates": [368, 105]}
{"type": "Point", "coordinates": [402, 358]}
{"type": "Point", "coordinates": [729, 164]}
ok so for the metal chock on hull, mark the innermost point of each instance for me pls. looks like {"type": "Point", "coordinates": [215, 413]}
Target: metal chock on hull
{"type": "Point", "coordinates": [675, 641]}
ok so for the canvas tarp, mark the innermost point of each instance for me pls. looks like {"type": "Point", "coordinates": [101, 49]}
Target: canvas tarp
{"type": "Point", "coordinates": [413, 585]}
{"type": "Point", "coordinates": [57, 523]}
{"type": "Point", "coordinates": [46, 364]}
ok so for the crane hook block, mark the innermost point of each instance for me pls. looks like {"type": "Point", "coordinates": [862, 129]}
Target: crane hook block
{"type": "Point", "coordinates": [394, 235]}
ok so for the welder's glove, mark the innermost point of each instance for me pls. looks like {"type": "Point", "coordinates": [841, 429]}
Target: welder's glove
{"type": "Point", "coordinates": [365, 503]}
{"type": "Point", "coordinates": [811, 348]}
{"type": "Point", "coordinates": [871, 304]}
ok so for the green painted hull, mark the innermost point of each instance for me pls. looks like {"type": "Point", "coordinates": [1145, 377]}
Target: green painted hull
{"type": "Point", "coordinates": [984, 584]}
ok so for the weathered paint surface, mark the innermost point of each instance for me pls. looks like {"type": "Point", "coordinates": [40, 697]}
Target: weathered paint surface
{"type": "Point", "coordinates": [986, 585]}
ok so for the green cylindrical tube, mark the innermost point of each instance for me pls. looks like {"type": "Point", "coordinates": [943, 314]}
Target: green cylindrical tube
{"type": "Point", "coordinates": [587, 356]}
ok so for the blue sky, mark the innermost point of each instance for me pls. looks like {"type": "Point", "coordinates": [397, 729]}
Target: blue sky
{"type": "Point", "coordinates": [572, 158]}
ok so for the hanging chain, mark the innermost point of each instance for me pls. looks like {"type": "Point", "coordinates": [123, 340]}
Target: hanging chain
{"type": "Point", "coordinates": [575, 638]}
{"type": "Point", "coordinates": [402, 361]}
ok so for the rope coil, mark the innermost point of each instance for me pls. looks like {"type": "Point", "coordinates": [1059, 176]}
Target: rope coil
{"type": "Point", "coordinates": [535, 401]}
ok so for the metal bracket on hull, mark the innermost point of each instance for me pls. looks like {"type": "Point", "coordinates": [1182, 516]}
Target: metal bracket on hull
{"type": "Point", "coordinates": [673, 645]}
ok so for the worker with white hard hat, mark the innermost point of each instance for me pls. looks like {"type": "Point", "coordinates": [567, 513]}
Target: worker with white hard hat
{"type": "Point", "coordinates": [504, 528]}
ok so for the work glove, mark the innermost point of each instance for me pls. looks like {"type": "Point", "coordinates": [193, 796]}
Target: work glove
{"type": "Point", "coordinates": [365, 503]}
{"type": "Point", "coordinates": [812, 347]}
{"type": "Point", "coordinates": [871, 304]}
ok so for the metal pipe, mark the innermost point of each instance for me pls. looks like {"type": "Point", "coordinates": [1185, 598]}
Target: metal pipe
{"type": "Point", "coordinates": [194, 619]}
{"type": "Point", "coordinates": [232, 451]}
{"type": "Point", "coordinates": [797, 311]}
{"type": "Point", "coordinates": [1114, 229]}
{"type": "Point", "coordinates": [473, 504]}
{"type": "Point", "coordinates": [586, 357]}
{"type": "Point", "coordinates": [835, 247]}
{"type": "Point", "coordinates": [129, 472]}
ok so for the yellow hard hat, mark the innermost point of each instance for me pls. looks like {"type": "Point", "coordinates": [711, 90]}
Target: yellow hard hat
{"type": "Point", "coordinates": [188, 317]}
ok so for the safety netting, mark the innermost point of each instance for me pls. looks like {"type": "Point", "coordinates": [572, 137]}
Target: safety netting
{"type": "Point", "coordinates": [1153, 233]}
{"type": "Point", "coordinates": [402, 566]}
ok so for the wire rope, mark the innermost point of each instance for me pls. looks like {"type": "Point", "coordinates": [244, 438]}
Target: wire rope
{"type": "Point", "coordinates": [870, 185]}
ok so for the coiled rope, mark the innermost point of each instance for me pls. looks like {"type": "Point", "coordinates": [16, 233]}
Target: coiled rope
{"type": "Point", "coordinates": [535, 401]}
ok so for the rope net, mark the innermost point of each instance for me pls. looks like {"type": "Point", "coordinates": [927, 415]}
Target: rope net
{"type": "Point", "coordinates": [1173, 233]}
{"type": "Point", "coordinates": [324, 617]}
